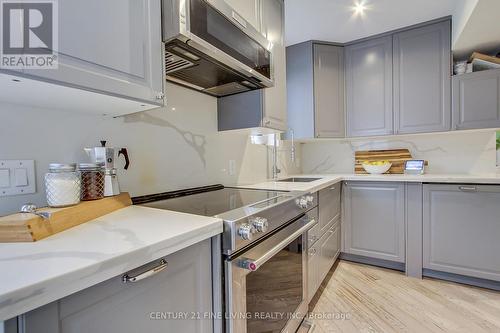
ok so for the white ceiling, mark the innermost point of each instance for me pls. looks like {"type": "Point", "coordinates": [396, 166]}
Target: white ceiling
{"type": "Point", "coordinates": [333, 20]}
{"type": "Point", "coordinates": [481, 32]}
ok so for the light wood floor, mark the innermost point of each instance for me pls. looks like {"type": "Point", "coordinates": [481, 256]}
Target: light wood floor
{"type": "Point", "coordinates": [374, 299]}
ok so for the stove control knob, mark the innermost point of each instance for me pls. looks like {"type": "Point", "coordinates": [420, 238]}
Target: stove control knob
{"type": "Point", "coordinates": [302, 202]}
{"type": "Point", "coordinates": [246, 231]}
{"type": "Point", "coordinates": [310, 199]}
{"type": "Point", "coordinates": [260, 224]}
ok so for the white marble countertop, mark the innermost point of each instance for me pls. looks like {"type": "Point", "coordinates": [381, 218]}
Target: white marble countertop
{"type": "Point", "coordinates": [330, 179]}
{"type": "Point", "coordinates": [35, 274]}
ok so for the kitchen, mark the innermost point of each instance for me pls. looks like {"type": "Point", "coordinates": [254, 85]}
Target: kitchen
{"type": "Point", "coordinates": [359, 82]}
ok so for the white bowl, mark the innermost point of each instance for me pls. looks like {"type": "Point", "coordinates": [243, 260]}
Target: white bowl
{"type": "Point", "coordinates": [377, 169]}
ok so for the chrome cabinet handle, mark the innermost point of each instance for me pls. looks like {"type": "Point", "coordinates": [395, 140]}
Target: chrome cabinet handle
{"type": "Point", "coordinates": [333, 188]}
{"type": "Point", "coordinates": [155, 270]}
{"type": "Point", "coordinates": [468, 188]}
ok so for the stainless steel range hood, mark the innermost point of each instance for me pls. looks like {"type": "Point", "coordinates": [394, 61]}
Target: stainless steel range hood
{"type": "Point", "coordinates": [212, 49]}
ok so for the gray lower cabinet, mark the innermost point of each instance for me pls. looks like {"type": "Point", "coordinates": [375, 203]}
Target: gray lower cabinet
{"type": "Point", "coordinates": [373, 221]}
{"type": "Point", "coordinates": [321, 257]}
{"type": "Point", "coordinates": [315, 86]}
{"type": "Point", "coordinates": [422, 79]}
{"type": "Point", "coordinates": [328, 206]}
{"type": "Point", "coordinates": [369, 87]}
{"type": "Point", "coordinates": [461, 228]}
{"type": "Point", "coordinates": [324, 237]}
{"type": "Point", "coordinates": [149, 305]}
{"type": "Point", "coordinates": [112, 47]}
{"type": "Point", "coordinates": [476, 100]}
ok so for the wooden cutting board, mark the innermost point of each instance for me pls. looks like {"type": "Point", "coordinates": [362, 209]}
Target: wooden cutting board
{"type": "Point", "coordinates": [26, 227]}
{"type": "Point", "coordinates": [397, 157]}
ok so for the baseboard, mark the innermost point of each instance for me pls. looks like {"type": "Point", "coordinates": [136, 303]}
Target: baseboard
{"type": "Point", "coordinates": [374, 262]}
{"type": "Point", "coordinates": [471, 281]}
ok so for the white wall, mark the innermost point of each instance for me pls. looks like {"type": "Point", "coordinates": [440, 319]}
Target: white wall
{"type": "Point", "coordinates": [168, 149]}
{"type": "Point", "coordinates": [470, 152]}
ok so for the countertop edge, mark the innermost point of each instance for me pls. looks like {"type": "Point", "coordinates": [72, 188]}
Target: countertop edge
{"type": "Point", "coordinates": [51, 290]}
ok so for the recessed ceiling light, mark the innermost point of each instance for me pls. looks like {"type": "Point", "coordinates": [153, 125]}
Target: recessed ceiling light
{"type": "Point", "coordinates": [359, 8]}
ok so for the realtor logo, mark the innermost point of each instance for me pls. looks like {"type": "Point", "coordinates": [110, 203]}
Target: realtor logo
{"type": "Point", "coordinates": [29, 34]}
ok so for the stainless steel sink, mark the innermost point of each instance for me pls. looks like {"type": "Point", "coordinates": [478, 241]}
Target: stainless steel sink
{"type": "Point", "coordinates": [298, 180]}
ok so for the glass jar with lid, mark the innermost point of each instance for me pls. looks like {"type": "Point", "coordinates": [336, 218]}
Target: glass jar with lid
{"type": "Point", "coordinates": [92, 181]}
{"type": "Point", "coordinates": [62, 185]}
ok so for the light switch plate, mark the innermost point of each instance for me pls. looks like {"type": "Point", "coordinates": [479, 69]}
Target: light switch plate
{"type": "Point", "coordinates": [21, 177]}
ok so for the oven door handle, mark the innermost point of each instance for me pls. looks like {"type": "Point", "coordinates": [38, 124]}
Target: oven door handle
{"type": "Point", "coordinates": [254, 264]}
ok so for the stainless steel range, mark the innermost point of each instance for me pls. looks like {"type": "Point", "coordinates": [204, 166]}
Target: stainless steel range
{"type": "Point", "coordinates": [264, 257]}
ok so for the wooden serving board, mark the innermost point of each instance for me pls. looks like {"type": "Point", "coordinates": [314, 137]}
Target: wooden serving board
{"type": "Point", "coordinates": [26, 227]}
{"type": "Point", "coordinates": [397, 157]}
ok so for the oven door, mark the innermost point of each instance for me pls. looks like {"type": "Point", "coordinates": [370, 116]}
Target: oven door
{"type": "Point", "coordinates": [266, 285]}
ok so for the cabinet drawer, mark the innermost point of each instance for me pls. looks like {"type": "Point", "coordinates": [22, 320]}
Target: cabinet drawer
{"type": "Point", "coordinates": [313, 234]}
{"type": "Point", "coordinates": [184, 286]}
{"type": "Point", "coordinates": [329, 206]}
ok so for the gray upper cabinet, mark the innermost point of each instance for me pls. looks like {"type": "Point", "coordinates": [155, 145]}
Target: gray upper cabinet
{"type": "Point", "coordinates": [315, 84]}
{"type": "Point", "coordinates": [369, 87]}
{"type": "Point", "coordinates": [476, 100]}
{"type": "Point", "coordinates": [274, 98]}
{"type": "Point", "coordinates": [422, 79]}
{"type": "Point", "coordinates": [265, 107]}
{"type": "Point", "coordinates": [373, 224]}
{"type": "Point", "coordinates": [112, 47]}
{"type": "Point", "coordinates": [461, 229]}
{"type": "Point", "coordinates": [185, 286]}
{"type": "Point", "coordinates": [329, 91]}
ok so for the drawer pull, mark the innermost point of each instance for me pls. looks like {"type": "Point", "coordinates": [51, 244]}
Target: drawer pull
{"type": "Point", "coordinates": [468, 188]}
{"type": "Point", "coordinates": [155, 270]}
{"type": "Point", "coordinates": [333, 188]}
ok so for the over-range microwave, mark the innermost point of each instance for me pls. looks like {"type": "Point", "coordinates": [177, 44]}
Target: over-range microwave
{"type": "Point", "coordinates": [210, 48]}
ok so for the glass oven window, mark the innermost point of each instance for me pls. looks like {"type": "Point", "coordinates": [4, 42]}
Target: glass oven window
{"type": "Point", "coordinates": [216, 29]}
{"type": "Point", "coordinates": [275, 290]}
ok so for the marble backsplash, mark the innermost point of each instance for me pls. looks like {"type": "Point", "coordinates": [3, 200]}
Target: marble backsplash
{"type": "Point", "coordinates": [170, 148]}
{"type": "Point", "coordinates": [470, 152]}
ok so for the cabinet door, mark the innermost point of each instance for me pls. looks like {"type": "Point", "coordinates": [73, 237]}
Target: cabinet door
{"type": "Point", "coordinates": [461, 230]}
{"type": "Point", "coordinates": [313, 270]}
{"type": "Point", "coordinates": [374, 220]}
{"type": "Point", "coordinates": [112, 47]}
{"type": "Point", "coordinates": [329, 248]}
{"type": "Point", "coordinates": [329, 91]}
{"type": "Point", "coordinates": [369, 87]}
{"type": "Point", "coordinates": [328, 206]}
{"type": "Point", "coordinates": [476, 100]}
{"type": "Point", "coordinates": [248, 9]}
{"type": "Point", "coordinates": [113, 306]}
{"type": "Point", "coordinates": [422, 79]}
{"type": "Point", "coordinates": [274, 98]}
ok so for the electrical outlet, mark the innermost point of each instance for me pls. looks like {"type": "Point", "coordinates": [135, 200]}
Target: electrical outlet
{"type": "Point", "coordinates": [232, 167]}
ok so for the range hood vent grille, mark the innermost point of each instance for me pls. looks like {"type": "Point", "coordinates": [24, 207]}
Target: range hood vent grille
{"type": "Point", "coordinates": [175, 63]}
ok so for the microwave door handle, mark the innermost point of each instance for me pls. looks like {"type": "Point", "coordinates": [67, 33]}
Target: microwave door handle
{"type": "Point", "coordinates": [254, 264]}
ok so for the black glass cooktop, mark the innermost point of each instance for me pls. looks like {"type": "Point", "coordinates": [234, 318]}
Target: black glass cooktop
{"type": "Point", "coordinates": [213, 202]}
